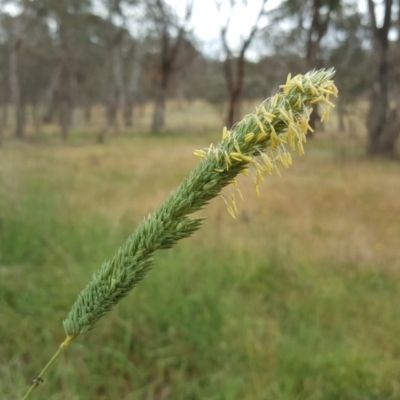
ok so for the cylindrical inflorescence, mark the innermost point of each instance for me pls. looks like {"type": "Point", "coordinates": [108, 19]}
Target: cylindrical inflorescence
{"type": "Point", "coordinates": [258, 141]}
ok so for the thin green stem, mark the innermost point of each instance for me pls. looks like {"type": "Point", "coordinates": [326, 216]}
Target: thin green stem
{"type": "Point", "coordinates": [39, 379]}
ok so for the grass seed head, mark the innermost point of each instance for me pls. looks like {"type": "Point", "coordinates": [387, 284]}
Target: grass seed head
{"type": "Point", "coordinates": [258, 141]}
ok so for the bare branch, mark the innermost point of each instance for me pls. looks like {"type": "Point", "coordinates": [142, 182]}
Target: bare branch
{"type": "Point", "coordinates": [224, 28]}
{"type": "Point", "coordinates": [387, 20]}
{"type": "Point", "coordinates": [372, 15]}
{"type": "Point", "coordinates": [189, 10]}
{"type": "Point", "coordinates": [255, 28]}
{"type": "Point", "coordinates": [381, 33]}
{"type": "Point", "coordinates": [234, 67]}
{"type": "Point", "coordinates": [182, 31]}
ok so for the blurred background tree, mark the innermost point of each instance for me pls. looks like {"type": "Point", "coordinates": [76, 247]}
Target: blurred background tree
{"type": "Point", "coordinates": [297, 298]}
{"type": "Point", "coordinates": [234, 64]}
{"type": "Point", "coordinates": [60, 58]}
{"type": "Point", "coordinates": [383, 121]}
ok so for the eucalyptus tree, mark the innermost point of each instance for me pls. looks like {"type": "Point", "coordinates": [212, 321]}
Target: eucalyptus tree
{"type": "Point", "coordinates": [122, 59]}
{"type": "Point", "coordinates": [350, 54]}
{"type": "Point", "coordinates": [133, 72]}
{"type": "Point", "coordinates": [36, 65]}
{"type": "Point", "coordinates": [172, 32]}
{"type": "Point", "coordinates": [311, 20]}
{"type": "Point", "coordinates": [16, 27]}
{"type": "Point", "coordinates": [234, 59]}
{"type": "Point", "coordinates": [57, 23]}
{"type": "Point", "coordinates": [114, 34]}
{"type": "Point", "coordinates": [66, 18]}
{"type": "Point", "coordinates": [383, 122]}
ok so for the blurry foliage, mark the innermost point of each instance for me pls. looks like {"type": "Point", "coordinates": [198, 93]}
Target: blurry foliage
{"type": "Point", "coordinates": [89, 35]}
{"type": "Point", "coordinates": [335, 32]}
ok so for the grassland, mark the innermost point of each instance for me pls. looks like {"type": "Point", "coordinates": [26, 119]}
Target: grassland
{"type": "Point", "coordinates": [295, 299]}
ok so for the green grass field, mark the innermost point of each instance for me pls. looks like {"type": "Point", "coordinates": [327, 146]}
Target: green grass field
{"type": "Point", "coordinates": [296, 299]}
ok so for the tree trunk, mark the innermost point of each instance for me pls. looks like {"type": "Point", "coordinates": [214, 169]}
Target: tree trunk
{"type": "Point", "coordinates": [52, 98]}
{"type": "Point", "coordinates": [64, 121]}
{"type": "Point", "coordinates": [159, 107]}
{"type": "Point", "coordinates": [159, 113]}
{"type": "Point", "coordinates": [87, 115]}
{"type": "Point", "coordinates": [112, 101]}
{"type": "Point", "coordinates": [4, 115]}
{"type": "Point", "coordinates": [109, 112]}
{"type": "Point", "coordinates": [235, 85]}
{"type": "Point", "coordinates": [1, 132]}
{"type": "Point", "coordinates": [65, 116]}
{"type": "Point", "coordinates": [119, 100]}
{"type": "Point", "coordinates": [15, 88]}
{"type": "Point", "coordinates": [111, 120]}
{"type": "Point", "coordinates": [115, 97]}
{"type": "Point", "coordinates": [383, 122]}
{"type": "Point", "coordinates": [37, 126]}
{"type": "Point", "coordinates": [234, 74]}
{"type": "Point", "coordinates": [377, 119]}
{"type": "Point", "coordinates": [128, 113]}
{"type": "Point", "coordinates": [170, 49]}
{"type": "Point", "coordinates": [112, 114]}
{"type": "Point", "coordinates": [133, 85]}
{"type": "Point", "coordinates": [316, 32]}
{"type": "Point", "coordinates": [111, 123]}
{"type": "Point", "coordinates": [101, 136]}
{"type": "Point", "coordinates": [65, 84]}
{"type": "Point", "coordinates": [233, 108]}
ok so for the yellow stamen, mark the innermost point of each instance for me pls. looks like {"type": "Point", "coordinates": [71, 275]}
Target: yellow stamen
{"type": "Point", "coordinates": [275, 100]}
{"type": "Point", "coordinates": [227, 160]}
{"type": "Point", "coordinates": [325, 115]}
{"type": "Point", "coordinates": [240, 194]}
{"type": "Point", "coordinates": [200, 153]}
{"type": "Point", "coordinates": [261, 137]}
{"type": "Point", "coordinates": [322, 99]}
{"type": "Point", "coordinates": [298, 102]}
{"type": "Point", "coordinates": [230, 211]}
{"type": "Point", "coordinates": [237, 147]}
{"type": "Point", "coordinates": [234, 207]}
{"type": "Point", "coordinates": [297, 82]}
{"type": "Point", "coordinates": [249, 137]}
{"type": "Point", "coordinates": [226, 135]}
{"type": "Point", "coordinates": [268, 116]}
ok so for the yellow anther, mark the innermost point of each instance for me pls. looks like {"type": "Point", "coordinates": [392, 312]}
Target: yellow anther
{"type": "Point", "coordinates": [249, 137]}
{"type": "Point", "coordinates": [261, 137]}
{"type": "Point", "coordinates": [200, 153]}
{"type": "Point", "coordinates": [227, 160]}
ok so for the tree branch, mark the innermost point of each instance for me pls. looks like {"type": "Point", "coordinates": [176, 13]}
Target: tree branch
{"type": "Point", "coordinates": [372, 15]}
{"type": "Point", "coordinates": [247, 42]}
{"type": "Point", "coordinates": [387, 20]}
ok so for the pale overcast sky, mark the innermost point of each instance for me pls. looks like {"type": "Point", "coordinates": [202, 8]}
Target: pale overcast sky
{"type": "Point", "coordinates": [206, 21]}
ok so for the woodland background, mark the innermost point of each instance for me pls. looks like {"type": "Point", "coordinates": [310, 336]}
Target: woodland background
{"type": "Point", "coordinates": [61, 58]}
{"type": "Point", "coordinates": [101, 106]}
